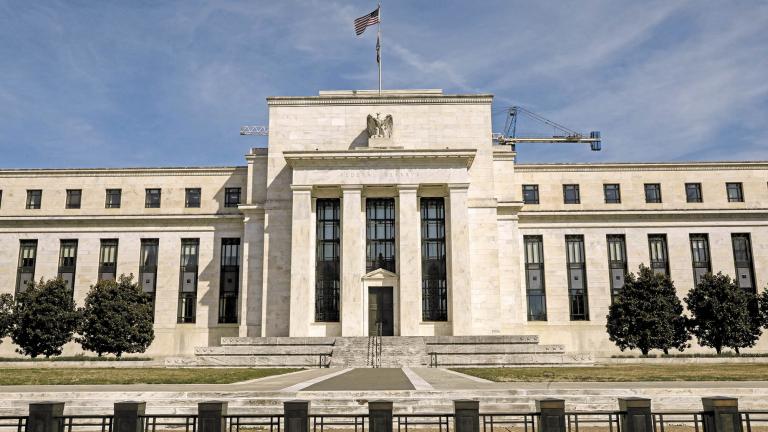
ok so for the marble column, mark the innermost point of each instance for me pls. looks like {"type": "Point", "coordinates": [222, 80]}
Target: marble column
{"type": "Point", "coordinates": [409, 259]}
{"type": "Point", "coordinates": [302, 310]}
{"type": "Point", "coordinates": [252, 271]}
{"type": "Point", "coordinates": [352, 262]}
{"type": "Point", "coordinates": [459, 281]}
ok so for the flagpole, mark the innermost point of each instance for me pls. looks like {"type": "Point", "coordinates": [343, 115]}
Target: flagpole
{"type": "Point", "coordinates": [379, 45]}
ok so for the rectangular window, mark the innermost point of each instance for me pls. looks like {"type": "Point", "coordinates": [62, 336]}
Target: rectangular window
{"type": "Point", "coordinates": [612, 193]}
{"type": "Point", "coordinates": [34, 198]}
{"type": "Point", "coordinates": [192, 198]}
{"type": "Point", "coordinates": [148, 269]}
{"type": "Point", "coordinates": [652, 193]}
{"type": "Point", "coordinates": [434, 283]}
{"type": "Point", "coordinates": [571, 194]}
{"type": "Point", "coordinates": [534, 278]}
{"type": "Point", "coordinates": [152, 198]}
{"type": "Point", "coordinates": [735, 192]}
{"type": "Point", "coordinates": [617, 262]}
{"type": "Point", "coordinates": [531, 194]}
{"type": "Point", "coordinates": [113, 198]}
{"type": "Point", "coordinates": [742, 256]}
{"type": "Point", "coordinates": [380, 234]}
{"type": "Point", "coordinates": [68, 263]}
{"type": "Point", "coordinates": [1, 198]}
{"type": "Point", "coordinates": [577, 278]}
{"type": "Point", "coordinates": [658, 253]}
{"type": "Point", "coordinates": [693, 193]}
{"type": "Point", "coordinates": [73, 198]}
{"type": "Point", "coordinates": [190, 250]}
{"type": "Point", "coordinates": [27, 260]}
{"type": "Point", "coordinates": [700, 256]}
{"type": "Point", "coordinates": [229, 287]}
{"type": "Point", "coordinates": [108, 259]}
{"type": "Point", "coordinates": [231, 197]}
{"type": "Point", "coordinates": [327, 260]}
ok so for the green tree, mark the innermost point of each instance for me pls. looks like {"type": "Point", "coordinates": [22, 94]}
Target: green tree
{"type": "Point", "coordinates": [762, 301]}
{"type": "Point", "coordinates": [6, 315]}
{"type": "Point", "coordinates": [647, 314]}
{"type": "Point", "coordinates": [117, 318]}
{"type": "Point", "coordinates": [723, 315]}
{"type": "Point", "coordinates": [44, 318]}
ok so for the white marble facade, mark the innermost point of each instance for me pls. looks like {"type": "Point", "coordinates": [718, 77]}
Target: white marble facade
{"type": "Point", "coordinates": [441, 147]}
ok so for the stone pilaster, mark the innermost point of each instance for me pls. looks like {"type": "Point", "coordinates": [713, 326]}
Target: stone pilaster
{"type": "Point", "coordinates": [409, 259]}
{"type": "Point", "coordinates": [352, 262]}
{"type": "Point", "coordinates": [459, 280]}
{"type": "Point", "coordinates": [252, 271]}
{"type": "Point", "coordinates": [301, 305]}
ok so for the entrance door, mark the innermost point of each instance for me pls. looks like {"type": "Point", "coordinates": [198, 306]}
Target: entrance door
{"type": "Point", "coordinates": [380, 312]}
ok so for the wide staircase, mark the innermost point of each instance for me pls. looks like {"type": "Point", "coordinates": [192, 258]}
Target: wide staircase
{"type": "Point", "coordinates": [387, 351]}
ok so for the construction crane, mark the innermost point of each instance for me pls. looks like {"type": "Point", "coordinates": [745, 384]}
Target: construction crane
{"type": "Point", "coordinates": [254, 130]}
{"type": "Point", "coordinates": [562, 134]}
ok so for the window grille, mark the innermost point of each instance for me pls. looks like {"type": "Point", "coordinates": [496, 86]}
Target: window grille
{"type": "Point", "coordinates": [434, 284]}
{"type": "Point", "coordinates": [327, 260]}
{"type": "Point", "coordinates": [534, 278]}
{"type": "Point", "coordinates": [380, 234]}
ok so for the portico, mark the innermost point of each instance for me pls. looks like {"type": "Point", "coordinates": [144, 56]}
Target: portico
{"type": "Point", "coordinates": [354, 178]}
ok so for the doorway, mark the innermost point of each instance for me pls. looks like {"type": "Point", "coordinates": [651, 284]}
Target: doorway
{"type": "Point", "coordinates": [380, 312]}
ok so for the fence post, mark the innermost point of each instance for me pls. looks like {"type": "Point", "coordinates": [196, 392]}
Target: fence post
{"type": "Point", "coordinates": [126, 417]}
{"type": "Point", "coordinates": [635, 414]}
{"type": "Point", "coordinates": [466, 415]}
{"type": "Point", "coordinates": [210, 416]}
{"type": "Point", "coordinates": [296, 416]}
{"type": "Point", "coordinates": [44, 417]}
{"type": "Point", "coordinates": [551, 415]}
{"type": "Point", "coordinates": [379, 416]}
{"type": "Point", "coordinates": [721, 414]}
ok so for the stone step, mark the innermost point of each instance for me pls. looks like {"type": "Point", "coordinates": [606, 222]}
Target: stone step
{"type": "Point", "coordinates": [507, 360]}
{"type": "Point", "coordinates": [495, 349]}
{"type": "Point", "coordinates": [271, 340]}
{"type": "Point", "coordinates": [236, 350]}
{"type": "Point", "coordinates": [310, 361]}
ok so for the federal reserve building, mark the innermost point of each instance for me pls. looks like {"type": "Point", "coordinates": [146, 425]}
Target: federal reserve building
{"type": "Point", "coordinates": [391, 214]}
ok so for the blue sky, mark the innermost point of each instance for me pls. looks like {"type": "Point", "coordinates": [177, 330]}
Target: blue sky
{"type": "Point", "coordinates": [166, 83]}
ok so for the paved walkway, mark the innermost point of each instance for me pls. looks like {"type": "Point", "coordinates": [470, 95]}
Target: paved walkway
{"type": "Point", "coordinates": [364, 380]}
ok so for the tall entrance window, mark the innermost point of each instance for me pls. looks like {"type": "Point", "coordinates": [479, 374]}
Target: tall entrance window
{"type": "Point", "coordinates": [534, 278]}
{"type": "Point", "coordinates": [230, 280]}
{"type": "Point", "coordinates": [108, 259]}
{"type": "Point", "coordinates": [380, 234]}
{"type": "Point", "coordinates": [148, 269]}
{"type": "Point", "coordinates": [742, 255]}
{"type": "Point", "coordinates": [617, 262]}
{"type": "Point", "coordinates": [327, 260]}
{"type": "Point", "coordinates": [700, 256]}
{"type": "Point", "coordinates": [68, 262]}
{"type": "Point", "coordinates": [434, 284]}
{"type": "Point", "coordinates": [577, 278]}
{"type": "Point", "coordinates": [27, 260]}
{"type": "Point", "coordinates": [190, 250]}
{"type": "Point", "coordinates": [657, 243]}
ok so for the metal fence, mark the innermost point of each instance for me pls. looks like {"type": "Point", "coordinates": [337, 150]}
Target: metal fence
{"type": "Point", "coordinates": [633, 415]}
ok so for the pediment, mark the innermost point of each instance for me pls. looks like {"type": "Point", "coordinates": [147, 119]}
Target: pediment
{"type": "Point", "coordinates": [379, 274]}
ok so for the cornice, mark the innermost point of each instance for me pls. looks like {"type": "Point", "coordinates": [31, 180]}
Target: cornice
{"type": "Point", "coordinates": [384, 99]}
{"type": "Point", "coordinates": [122, 172]}
{"type": "Point", "coordinates": [644, 166]}
{"type": "Point", "coordinates": [303, 158]}
{"type": "Point", "coordinates": [87, 218]}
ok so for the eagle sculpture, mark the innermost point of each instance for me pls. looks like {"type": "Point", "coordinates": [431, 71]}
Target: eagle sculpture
{"type": "Point", "coordinates": [378, 127]}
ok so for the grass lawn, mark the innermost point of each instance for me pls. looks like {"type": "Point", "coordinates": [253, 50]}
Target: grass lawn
{"type": "Point", "coordinates": [42, 376]}
{"type": "Point", "coordinates": [629, 372]}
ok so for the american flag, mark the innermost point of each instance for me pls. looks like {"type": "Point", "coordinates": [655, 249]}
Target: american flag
{"type": "Point", "coordinates": [366, 20]}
